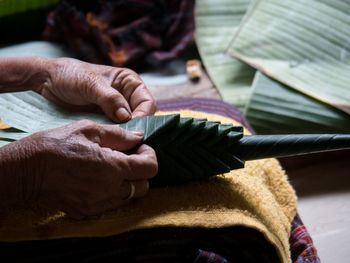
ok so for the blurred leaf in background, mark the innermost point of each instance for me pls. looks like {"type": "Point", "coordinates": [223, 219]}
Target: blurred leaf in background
{"type": "Point", "coordinates": [276, 108]}
{"type": "Point", "coordinates": [304, 44]}
{"type": "Point", "coordinates": [216, 23]}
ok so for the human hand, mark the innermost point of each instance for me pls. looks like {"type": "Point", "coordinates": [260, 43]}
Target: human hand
{"type": "Point", "coordinates": [119, 92]}
{"type": "Point", "coordinates": [81, 169]}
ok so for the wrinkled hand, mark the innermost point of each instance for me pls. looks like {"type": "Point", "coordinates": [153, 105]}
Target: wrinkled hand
{"type": "Point", "coordinates": [83, 168]}
{"type": "Point", "coordinates": [119, 92]}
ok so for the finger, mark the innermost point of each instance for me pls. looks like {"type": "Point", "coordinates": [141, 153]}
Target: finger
{"type": "Point", "coordinates": [142, 103]}
{"type": "Point", "coordinates": [117, 138]}
{"type": "Point", "coordinates": [111, 101]}
{"type": "Point", "coordinates": [142, 164]}
{"type": "Point", "coordinates": [112, 203]}
{"type": "Point", "coordinates": [88, 108]}
{"type": "Point", "coordinates": [135, 92]}
{"type": "Point", "coordinates": [141, 189]}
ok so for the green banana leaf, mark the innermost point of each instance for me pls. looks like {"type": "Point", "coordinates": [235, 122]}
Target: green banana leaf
{"type": "Point", "coordinates": [30, 112]}
{"type": "Point", "coordinates": [12, 134]}
{"type": "Point", "coordinates": [216, 22]}
{"type": "Point", "coordinates": [276, 108]}
{"type": "Point", "coordinates": [187, 149]}
{"type": "Point", "coordinates": [303, 44]}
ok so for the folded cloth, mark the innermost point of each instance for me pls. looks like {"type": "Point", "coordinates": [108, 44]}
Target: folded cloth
{"type": "Point", "coordinates": [123, 33]}
{"type": "Point", "coordinates": [257, 197]}
{"type": "Point", "coordinates": [301, 244]}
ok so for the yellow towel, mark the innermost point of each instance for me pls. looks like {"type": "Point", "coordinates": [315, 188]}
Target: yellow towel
{"type": "Point", "coordinates": [258, 196]}
{"type": "Point", "coordinates": [3, 125]}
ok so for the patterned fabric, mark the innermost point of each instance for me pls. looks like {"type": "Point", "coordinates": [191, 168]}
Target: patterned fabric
{"type": "Point", "coordinates": [205, 105]}
{"type": "Point", "coordinates": [301, 244]}
{"type": "Point", "coordinates": [123, 33]}
{"type": "Point", "coordinates": [209, 257]}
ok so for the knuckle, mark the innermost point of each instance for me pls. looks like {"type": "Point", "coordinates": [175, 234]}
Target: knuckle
{"type": "Point", "coordinates": [121, 133]}
{"type": "Point", "coordinates": [112, 97]}
{"type": "Point", "coordinates": [130, 76]}
{"type": "Point", "coordinates": [86, 122]}
{"type": "Point", "coordinates": [90, 129]}
{"type": "Point", "coordinates": [130, 79]}
{"type": "Point", "coordinates": [153, 106]}
{"type": "Point", "coordinates": [128, 71]}
{"type": "Point", "coordinates": [145, 166]}
{"type": "Point", "coordinates": [151, 164]}
{"type": "Point", "coordinates": [89, 125]}
{"type": "Point", "coordinates": [125, 165]}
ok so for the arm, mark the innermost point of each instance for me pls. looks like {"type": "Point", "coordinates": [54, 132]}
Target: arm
{"type": "Point", "coordinates": [20, 74]}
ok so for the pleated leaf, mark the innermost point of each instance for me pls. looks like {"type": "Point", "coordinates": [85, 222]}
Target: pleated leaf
{"type": "Point", "coordinates": [152, 126]}
{"type": "Point", "coordinates": [276, 108]}
{"type": "Point", "coordinates": [216, 22]}
{"type": "Point", "coordinates": [305, 44]}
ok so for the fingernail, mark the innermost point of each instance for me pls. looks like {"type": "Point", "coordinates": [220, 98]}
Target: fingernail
{"type": "Point", "coordinates": [137, 133]}
{"type": "Point", "coordinates": [122, 114]}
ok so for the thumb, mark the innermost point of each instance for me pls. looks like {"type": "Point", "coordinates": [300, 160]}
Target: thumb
{"type": "Point", "coordinates": [117, 138]}
{"type": "Point", "coordinates": [111, 101]}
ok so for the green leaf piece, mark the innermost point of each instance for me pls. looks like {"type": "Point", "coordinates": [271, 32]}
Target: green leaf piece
{"type": "Point", "coordinates": [30, 112]}
{"type": "Point", "coordinates": [194, 129]}
{"type": "Point", "coordinates": [216, 22]}
{"type": "Point", "coordinates": [305, 45]}
{"type": "Point", "coordinates": [276, 108]}
{"type": "Point", "coordinates": [12, 134]}
{"type": "Point", "coordinates": [210, 129]}
{"type": "Point", "coordinates": [152, 126]}
{"type": "Point", "coordinates": [171, 135]}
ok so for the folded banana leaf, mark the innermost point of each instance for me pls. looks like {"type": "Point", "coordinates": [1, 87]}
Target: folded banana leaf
{"type": "Point", "coordinates": [276, 108]}
{"type": "Point", "coordinates": [190, 149]}
{"type": "Point", "coordinates": [216, 23]}
{"type": "Point", "coordinates": [187, 148]}
{"type": "Point", "coordinates": [304, 44]}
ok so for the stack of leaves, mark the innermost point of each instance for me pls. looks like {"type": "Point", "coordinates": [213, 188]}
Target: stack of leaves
{"type": "Point", "coordinates": [187, 148]}
{"type": "Point", "coordinates": [300, 51]}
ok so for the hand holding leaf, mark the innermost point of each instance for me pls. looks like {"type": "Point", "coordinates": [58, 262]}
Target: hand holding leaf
{"type": "Point", "coordinates": [80, 168]}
